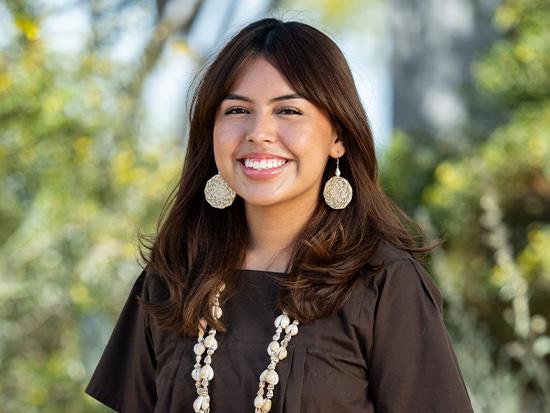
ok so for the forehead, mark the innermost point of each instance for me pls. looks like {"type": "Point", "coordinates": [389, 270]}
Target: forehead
{"type": "Point", "coordinates": [259, 76]}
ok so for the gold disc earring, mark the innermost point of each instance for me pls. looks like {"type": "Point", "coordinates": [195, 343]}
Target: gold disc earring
{"type": "Point", "coordinates": [337, 191]}
{"type": "Point", "coordinates": [217, 193]}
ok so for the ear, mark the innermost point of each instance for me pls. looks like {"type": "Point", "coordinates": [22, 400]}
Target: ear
{"type": "Point", "coordinates": [337, 148]}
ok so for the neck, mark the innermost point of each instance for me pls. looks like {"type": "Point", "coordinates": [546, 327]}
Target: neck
{"type": "Point", "coordinates": [272, 230]}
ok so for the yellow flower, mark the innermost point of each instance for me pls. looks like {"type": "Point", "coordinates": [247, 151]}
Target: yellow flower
{"type": "Point", "coordinates": [28, 27]}
{"type": "Point", "coordinates": [5, 82]}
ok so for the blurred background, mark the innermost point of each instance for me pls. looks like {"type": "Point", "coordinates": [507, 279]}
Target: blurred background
{"type": "Point", "coordinates": [93, 112]}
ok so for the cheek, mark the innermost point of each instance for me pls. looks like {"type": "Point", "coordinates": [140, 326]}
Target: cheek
{"type": "Point", "coordinates": [308, 141]}
{"type": "Point", "coordinates": [228, 131]}
{"type": "Point", "coordinates": [224, 141]}
{"type": "Point", "coordinates": [298, 139]}
{"type": "Point", "coordinates": [219, 152]}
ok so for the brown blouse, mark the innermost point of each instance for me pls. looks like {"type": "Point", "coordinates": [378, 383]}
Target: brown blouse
{"type": "Point", "coordinates": [386, 351]}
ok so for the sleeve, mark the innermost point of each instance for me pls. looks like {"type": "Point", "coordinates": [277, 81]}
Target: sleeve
{"type": "Point", "coordinates": [412, 365]}
{"type": "Point", "coordinates": [124, 378]}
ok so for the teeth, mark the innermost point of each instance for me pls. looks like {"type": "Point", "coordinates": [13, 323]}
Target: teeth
{"type": "Point", "coordinates": [263, 163]}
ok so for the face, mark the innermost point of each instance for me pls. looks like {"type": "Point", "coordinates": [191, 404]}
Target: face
{"type": "Point", "coordinates": [270, 144]}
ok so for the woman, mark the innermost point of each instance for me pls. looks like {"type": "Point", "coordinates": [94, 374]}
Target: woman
{"type": "Point", "coordinates": [283, 278]}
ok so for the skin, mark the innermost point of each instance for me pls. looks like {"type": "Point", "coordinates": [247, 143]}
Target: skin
{"type": "Point", "coordinates": [263, 114]}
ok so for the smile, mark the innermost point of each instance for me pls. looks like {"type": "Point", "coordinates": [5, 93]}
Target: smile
{"type": "Point", "coordinates": [264, 168]}
{"type": "Point", "coordinates": [263, 164]}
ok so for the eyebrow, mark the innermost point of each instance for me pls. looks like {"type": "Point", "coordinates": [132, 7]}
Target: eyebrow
{"type": "Point", "coordinates": [234, 96]}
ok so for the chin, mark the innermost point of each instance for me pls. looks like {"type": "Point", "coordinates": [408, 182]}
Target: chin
{"type": "Point", "coordinates": [259, 202]}
{"type": "Point", "coordinates": [262, 201]}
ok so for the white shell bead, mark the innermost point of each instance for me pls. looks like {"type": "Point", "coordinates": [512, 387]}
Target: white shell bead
{"type": "Point", "coordinates": [196, 374]}
{"type": "Point", "coordinates": [258, 401]}
{"type": "Point", "coordinates": [206, 403]}
{"type": "Point", "coordinates": [283, 321]}
{"type": "Point", "coordinates": [210, 342]}
{"type": "Point", "coordinates": [266, 406]}
{"type": "Point", "coordinates": [207, 372]}
{"type": "Point", "coordinates": [273, 348]}
{"type": "Point", "coordinates": [217, 312]}
{"type": "Point", "coordinates": [291, 329]}
{"type": "Point", "coordinates": [272, 377]}
{"type": "Point", "coordinates": [197, 404]}
{"type": "Point", "coordinates": [199, 348]}
{"type": "Point", "coordinates": [282, 353]}
{"type": "Point", "coordinates": [264, 374]}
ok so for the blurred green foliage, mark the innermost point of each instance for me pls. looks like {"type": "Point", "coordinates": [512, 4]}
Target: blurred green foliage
{"type": "Point", "coordinates": [75, 189]}
{"type": "Point", "coordinates": [77, 183]}
{"type": "Point", "coordinates": [491, 203]}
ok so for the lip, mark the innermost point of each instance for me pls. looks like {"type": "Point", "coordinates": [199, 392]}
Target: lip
{"type": "Point", "coordinates": [266, 173]}
{"type": "Point", "coordinates": [261, 155]}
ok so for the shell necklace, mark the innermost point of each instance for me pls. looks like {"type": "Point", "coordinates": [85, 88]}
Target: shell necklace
{"type": "Point", "coordinates": [203, 374]}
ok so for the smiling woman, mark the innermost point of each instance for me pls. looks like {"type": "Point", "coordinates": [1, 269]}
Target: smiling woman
{"type": "Point", "coordinates": [280, 238]}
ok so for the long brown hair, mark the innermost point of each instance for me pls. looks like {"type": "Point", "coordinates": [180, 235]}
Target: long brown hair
{"type": "Point", "coordinates": [196, 246]}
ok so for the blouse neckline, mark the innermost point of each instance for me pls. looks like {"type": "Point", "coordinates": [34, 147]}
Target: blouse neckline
{"type": "Point", "coordinates": [246, 270]}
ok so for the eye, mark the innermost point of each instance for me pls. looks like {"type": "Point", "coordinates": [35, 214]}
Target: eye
{"type": "Point", "coordinates": [236, 110]}
{"type": "Point", "coordinates": [290, 111]}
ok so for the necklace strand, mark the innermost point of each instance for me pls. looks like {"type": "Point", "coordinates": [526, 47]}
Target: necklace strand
{"type": "Point", "coordinates": [277, 351]}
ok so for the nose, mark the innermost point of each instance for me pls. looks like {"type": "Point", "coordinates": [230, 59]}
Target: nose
{"type": "Point", "coordinates": [261, 130]}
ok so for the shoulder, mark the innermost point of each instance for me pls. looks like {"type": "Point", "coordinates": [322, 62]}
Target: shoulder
{"type": "Point", "coordinates": [403, 280]}
{"type": "Point", "coordinates": [386, 253]}
{"type": "Point", "coordinates": [151, 287]}
{"type": "Point", "coordinates": [409, 354]}
{"type": "Point", "coordinates": [398, 300]}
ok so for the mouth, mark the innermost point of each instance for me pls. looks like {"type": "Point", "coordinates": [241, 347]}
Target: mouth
{"type": "Point", "coordinates": [263, 168]}
{"type": "Point", "coordinates": [263, 164]}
